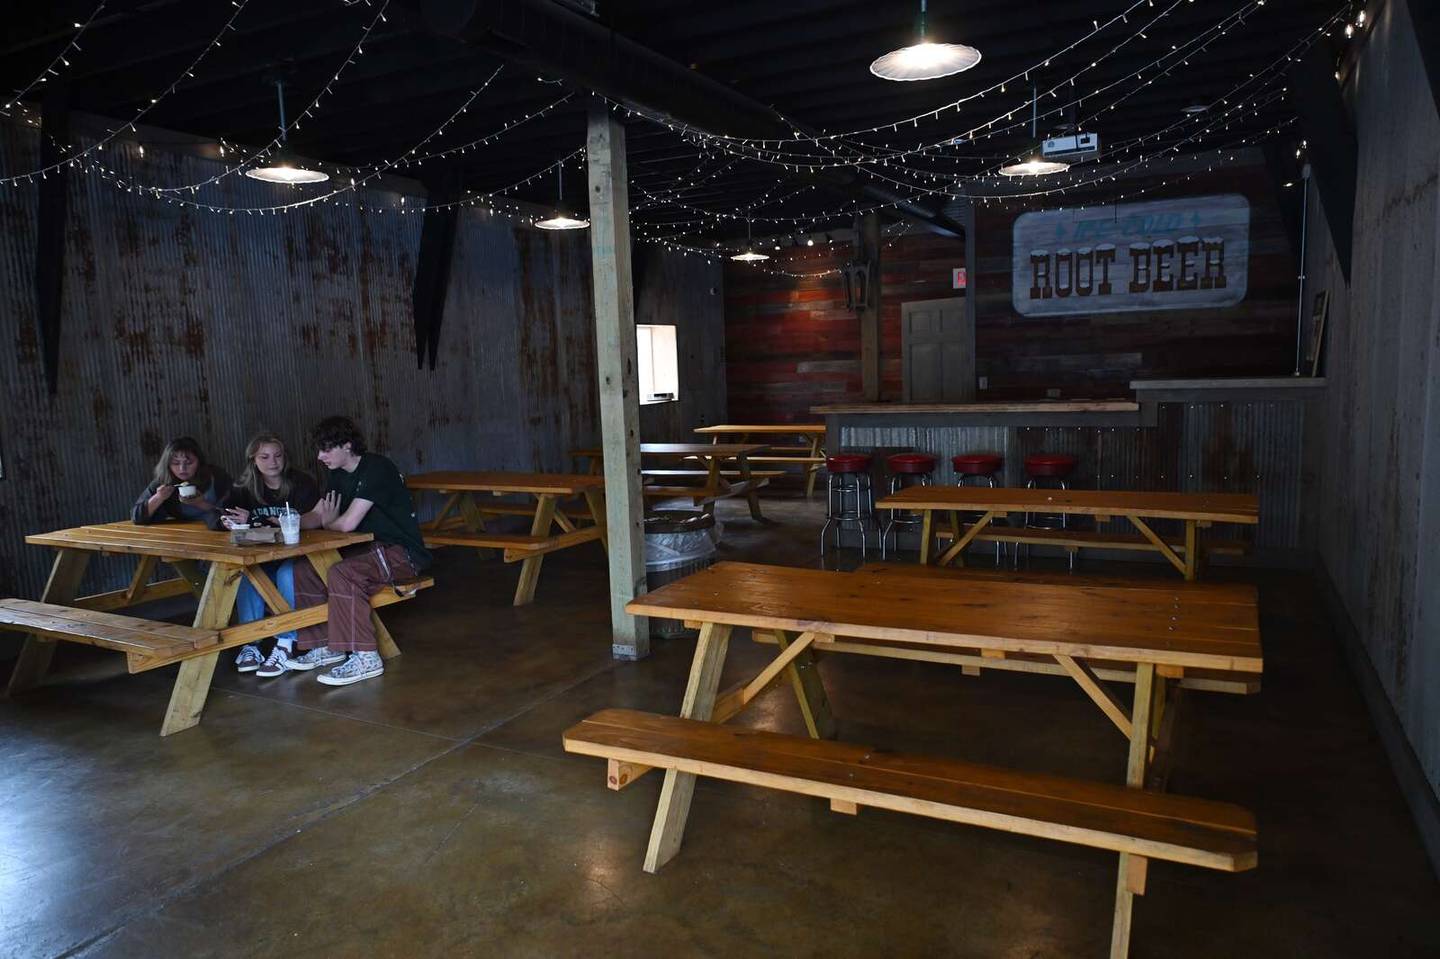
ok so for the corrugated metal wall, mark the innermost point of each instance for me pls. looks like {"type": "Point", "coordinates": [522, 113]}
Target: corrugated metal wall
{"type": "Point", "coordinates": [1375, 498]}
{"type": "Point", "coordinates": [179, 321]}
{"type": "Point", "coordinates": [1246, 447]}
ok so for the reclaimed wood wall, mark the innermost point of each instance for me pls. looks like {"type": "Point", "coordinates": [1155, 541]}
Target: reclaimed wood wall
{"type": "Point", "coordinates": [792, 343]}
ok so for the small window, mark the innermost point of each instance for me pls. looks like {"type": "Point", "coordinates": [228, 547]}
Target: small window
{"type": "Point", "coordinates": [659, 369]}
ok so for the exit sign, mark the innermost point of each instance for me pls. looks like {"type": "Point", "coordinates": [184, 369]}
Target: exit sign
{"type": "Point", "coordinates": [957, 278]}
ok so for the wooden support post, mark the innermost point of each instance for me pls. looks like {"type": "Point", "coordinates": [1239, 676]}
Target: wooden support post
{"type": "Point", "coordinates": [60, 588]}
{"type": "Point", "coordinates": [192, 685]}
{"type": "Point", "coordinates": [674, 808]}
{"type": "Point", "coordinates": [615, 354]}
{"type": "Point", "coordinates": [1192, 551]}
{"type": "Point", "coordinates": [867, 245]}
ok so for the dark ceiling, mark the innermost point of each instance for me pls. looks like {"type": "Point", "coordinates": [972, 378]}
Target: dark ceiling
{"type": "Point", "coordinates": [801, 60]}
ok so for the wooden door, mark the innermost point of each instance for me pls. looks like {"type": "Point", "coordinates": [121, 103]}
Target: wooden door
{"type": "Point", "coordinates": [938, 347]}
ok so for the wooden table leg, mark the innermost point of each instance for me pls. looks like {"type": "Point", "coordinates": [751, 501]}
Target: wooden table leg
{"type": "Point", "coordinates": [809, 691]}
{"type": "Point", "coordinates": [675, 795]}
{"type": "Point", "coordinates": [1192, 551]}
{"type": "Point", "coordinates": [530, 567]}
{"type": "Point", "coordinates": [1160, 544]}
{"type": "Point", "coordinates": [192, 685]}
{"type": "Point", "coordinates": [62, 587]}
{"type": "Point", "coordinates": [1130, 879]}
{"type": "Point", "coordinates": [812, 469]}
{"type": "Point", "coordinates": [927, 533]}
{"type": "Point", "coordinates": [752, 495]}
{"type": "Point", "coordinates": [959, 545]}
{"type": "Point", "coordinates": [189, 570]}
{"type": "Point", "coordinates": [595, 500]}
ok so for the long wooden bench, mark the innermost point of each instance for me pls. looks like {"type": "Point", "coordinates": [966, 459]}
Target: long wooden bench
{"type": "Point", "coordinates": [1138, 823]}
{"type": "Point", "coordinates": [150, 644]}
{"type": "Point", "coordinates": [517, 546]}
{"type": "Point", "coordinates": [1075, 539]}
{"type": "Point", "coordinates": [141, 640]}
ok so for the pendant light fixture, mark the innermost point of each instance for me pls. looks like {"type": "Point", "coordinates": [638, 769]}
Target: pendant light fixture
{"type": "Point", "coordinates": [561, 220]}
{"type": "Point", "coordinates": [924, 60]}
{"type": "Point", "coordinates": [280, 168]}
{"type": "Point", "coordinates": [1035, 164]}
{"type": "Point", "coordinates": [749, 256]}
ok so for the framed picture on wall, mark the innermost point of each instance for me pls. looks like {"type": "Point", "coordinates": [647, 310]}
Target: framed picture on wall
{"type": "Point", "coordinates": [1317, 330]}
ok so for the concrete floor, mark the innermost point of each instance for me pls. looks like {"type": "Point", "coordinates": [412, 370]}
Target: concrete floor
{"type": "Point", "coordinates": [434, 813]}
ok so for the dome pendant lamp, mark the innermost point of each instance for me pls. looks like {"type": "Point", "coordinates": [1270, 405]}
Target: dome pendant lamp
{"type": "Point", "coordinates": [749, 255]}
{"type": "Point", "coordinates": [924, 60]}
{"type": "Point", "coordinates": [1035, 164]}
{"type": "Point", "coordinates": [561, 220]}
{"type": "Point", "coordinates": [280, 168]}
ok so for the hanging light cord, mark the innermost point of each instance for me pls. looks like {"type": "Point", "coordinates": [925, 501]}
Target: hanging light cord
{"type": "Point", "coordinates": [280, 95]}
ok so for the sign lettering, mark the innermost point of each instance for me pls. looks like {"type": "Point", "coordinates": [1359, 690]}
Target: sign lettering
{"type": "Point", "coordinates": [1161, 255]}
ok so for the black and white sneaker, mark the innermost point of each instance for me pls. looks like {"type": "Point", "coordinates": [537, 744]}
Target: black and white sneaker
{"type": "Point", "coordinates": [320, 656]}
{"type": "Point", "coordinates": [359, 666]}
{"type": "Point", "coordinates": [249, 659]}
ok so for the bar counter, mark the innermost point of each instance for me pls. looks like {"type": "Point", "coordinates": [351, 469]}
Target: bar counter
{"type": "Point", "coordinates": [1212, 435]}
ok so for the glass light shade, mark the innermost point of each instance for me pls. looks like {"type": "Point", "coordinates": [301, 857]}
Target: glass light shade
{"type": "Point", "coordinates": [562, 222]}
{"type": "Point", "coordinates": [1034, 166]}
{"type": "Point", "coordinates": [281, 172]}
{"type": "Point", "coordinates": [750, 256]}
{"type": "Point", "coordinates": [925, 61]}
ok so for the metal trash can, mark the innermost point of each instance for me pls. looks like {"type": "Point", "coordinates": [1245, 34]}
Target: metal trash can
{"type": "Point", "coordinates": [677, 543]}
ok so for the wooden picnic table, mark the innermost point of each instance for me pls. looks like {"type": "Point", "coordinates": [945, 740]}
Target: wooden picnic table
{"type": "Point", "coordinates": [1161, 633]}
{"type": "Point", "coordinates": [807, 453]}
{"type": "Point", "coordinates": [716, 482]}
{"type": "Point", "coordinates": [149, 645]}
{"type": "Point", "coordinates": [1195, 510]}
{"type": "Point", "coordinates": [461, 520]}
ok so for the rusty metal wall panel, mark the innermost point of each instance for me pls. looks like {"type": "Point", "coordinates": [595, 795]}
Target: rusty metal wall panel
{"type": "Point", "coordinates": [1250, 447]}
{"type": "Point", "coordinates": [178, 321]}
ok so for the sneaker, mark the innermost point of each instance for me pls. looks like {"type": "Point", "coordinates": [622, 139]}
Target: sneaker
{"type": "Point", "coordinates": [275, 664]}
{"type": "Point", "coordinates": [366, 665]}
{"type": "Point", "coordinates": [249, 659]}
{"type": "Point", "coordinates": [320, 656]}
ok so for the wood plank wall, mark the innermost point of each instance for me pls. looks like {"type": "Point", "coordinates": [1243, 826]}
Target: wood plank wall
{"type": "Point", "coordinates": [791, 342]}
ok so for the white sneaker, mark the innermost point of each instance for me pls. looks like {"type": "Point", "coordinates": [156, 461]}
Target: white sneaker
{"type": "Point", "coordinates": [249, 659]}
{"type": "Point", "coordinates": [359, 666]}
{"type": "Point", "coordinates": [276, 664]}
{"type": "Point", "coordinates": [320, 656]}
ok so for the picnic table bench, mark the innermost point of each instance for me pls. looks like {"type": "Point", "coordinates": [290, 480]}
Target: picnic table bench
{"type": "Point", "coordinates": [461, 520]}
{"type": "Point", "coordinates": [807, 453]}
{"type": "Point", "coordinates": [807, 610]}
{"type": "Point", "coordinates": [1195, 510]}
{"type": "Point", "coordinates": [149, 644]}
{"type": "Point", "coordinates": [716, 481]}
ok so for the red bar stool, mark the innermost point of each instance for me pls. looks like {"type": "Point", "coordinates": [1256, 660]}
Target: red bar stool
{"type": "Point", "coordinates": [1054, 467]}
{"type": "Point", "coordinates": [906, 469]}
{"type": "Point", "coordinates": [982, 466]}
{"type": "Point", "coordinates": [849, 497]}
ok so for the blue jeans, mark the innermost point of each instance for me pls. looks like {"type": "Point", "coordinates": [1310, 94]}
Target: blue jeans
{"type": "Point", "coordinates": [250, 607]}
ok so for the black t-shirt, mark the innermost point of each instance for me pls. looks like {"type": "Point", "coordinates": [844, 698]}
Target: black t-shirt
{"type": "Point", "coordinates": [304, 494]}
{"type": "Point", "coordinates": [392, 518]}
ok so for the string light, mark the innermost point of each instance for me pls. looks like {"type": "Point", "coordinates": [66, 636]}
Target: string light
{"type": "Point", "coordinates": [189, 71]}
{"type": "Point", "coordinates": [53, 68]}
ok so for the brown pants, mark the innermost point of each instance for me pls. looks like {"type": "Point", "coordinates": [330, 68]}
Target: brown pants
{"type": "Point", "coordinates": [347, 588]}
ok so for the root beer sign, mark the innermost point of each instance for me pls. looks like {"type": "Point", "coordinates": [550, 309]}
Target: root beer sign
{"type": "Point", "coordinates": [1182, 254]}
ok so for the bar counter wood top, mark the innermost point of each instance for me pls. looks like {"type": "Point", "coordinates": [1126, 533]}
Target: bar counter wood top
{"type": "Point", "coordinates": [1035, 406]}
